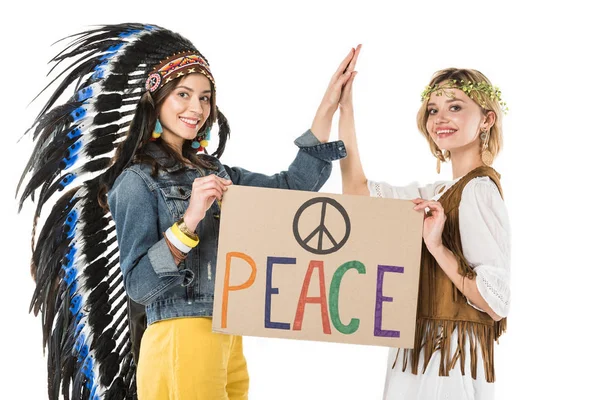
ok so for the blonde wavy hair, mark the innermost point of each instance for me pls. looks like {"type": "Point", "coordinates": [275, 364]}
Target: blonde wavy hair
{"type": "Point", "coordinates": [480, 97]}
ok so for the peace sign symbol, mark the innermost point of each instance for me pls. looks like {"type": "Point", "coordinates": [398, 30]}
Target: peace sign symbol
{"type": "Point", "coordinates": [321, 230]}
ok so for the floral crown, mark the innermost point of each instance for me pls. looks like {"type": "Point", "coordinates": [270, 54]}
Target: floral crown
{"type": "Point", "coordinates": [475, 90]}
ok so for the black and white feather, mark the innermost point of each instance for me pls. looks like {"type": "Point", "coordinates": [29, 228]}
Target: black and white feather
{"type": "Point", "coordinates": [79, 291]}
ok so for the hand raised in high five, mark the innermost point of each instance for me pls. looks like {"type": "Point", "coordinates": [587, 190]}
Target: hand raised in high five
{"type": "Point", "coordinates": [341, 76]}
{"type": "Point", "coordinates": [346, 96]}
{"type": "Point", "coordinates": [321, 126]}
{"type": "Point", "coordinates": [354, 180]}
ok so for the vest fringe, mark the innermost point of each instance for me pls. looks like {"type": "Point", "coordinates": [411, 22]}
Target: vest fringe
{"type": "Point", "coordinates": [437, 335]}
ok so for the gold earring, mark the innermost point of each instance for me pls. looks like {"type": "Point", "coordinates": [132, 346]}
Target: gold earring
{"type": "Point", "coordinates": [438, 155]}
{"type": "Point", "coordinates": [486, 155]}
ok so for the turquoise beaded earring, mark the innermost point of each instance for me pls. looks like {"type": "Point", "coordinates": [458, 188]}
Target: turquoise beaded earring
{"type": "Point", "coordinates": [201, 142]}
{"type": "Point", "coordinates": [158, 130]}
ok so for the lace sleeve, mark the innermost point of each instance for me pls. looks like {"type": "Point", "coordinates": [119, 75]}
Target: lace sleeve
{"type": "Point", "coordinates": [409, 192]}
{"type": "Point", "coordinates": [485, 236]}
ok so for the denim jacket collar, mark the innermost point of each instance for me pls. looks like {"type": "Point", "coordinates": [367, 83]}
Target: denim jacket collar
{"type": "Point", "coordinates": [162, 158]}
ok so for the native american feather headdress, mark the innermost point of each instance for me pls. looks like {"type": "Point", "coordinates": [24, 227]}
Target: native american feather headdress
{"type": "Point", "coordinates": [79, 287]}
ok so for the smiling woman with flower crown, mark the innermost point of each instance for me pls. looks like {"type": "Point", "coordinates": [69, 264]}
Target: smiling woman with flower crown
{"type": "Point", "coordinates": [464, 293]}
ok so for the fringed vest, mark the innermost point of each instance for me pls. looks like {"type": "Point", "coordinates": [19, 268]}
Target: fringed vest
{"type": "Point", "coordinates": [442, 308]}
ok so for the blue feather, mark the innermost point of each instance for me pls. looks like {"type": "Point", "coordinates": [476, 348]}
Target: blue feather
{"type": "Point", "coordinates": [66, 181]}
{"type": "Point", "coordinates": [70, 256]}
{"type": "Point", "coordinates": [93, 394]}
{"type": "Point", "coordinates": [78, 318]}
{"type": "Point", "coordinates": [88, 370]}
{"type": "Point", "coordinates": [107, 56]}
{"type": "Point", "coordinates": [68, 162]}
{"type": "Point", "coordinates": [129, 33]}
{"type": "Point", "coordinates": [79, 327]}
{"type": "Point", "coordinates": [74, 148]}
{"type": "Point", "coordinates": [69, 227]}
{"type": "Point", "coordinates": [78, 113]}
{"type": "Point", "coordinates": [99, 70]}
{"type": "Point", "coordinates": [76, 302]}
{"type": "Point", "coordinates": [70, 276]}
{"type": "Point", "coordinates": [74, 133]}
{"type": "Point", "coordinates": [84, 93]}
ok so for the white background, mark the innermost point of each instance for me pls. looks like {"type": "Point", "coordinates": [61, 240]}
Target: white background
{"type": "Point", "coordinates": [272, 63]}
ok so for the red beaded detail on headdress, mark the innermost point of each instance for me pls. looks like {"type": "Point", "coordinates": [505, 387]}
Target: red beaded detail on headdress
{"type": "Point", "coordinates": [153, 82]}
{"type": "Point", "coordinates": [175, 67]}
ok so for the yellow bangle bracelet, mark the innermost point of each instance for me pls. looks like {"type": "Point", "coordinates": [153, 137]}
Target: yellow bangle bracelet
{"type": "Point", "coordinates": [188, 241]}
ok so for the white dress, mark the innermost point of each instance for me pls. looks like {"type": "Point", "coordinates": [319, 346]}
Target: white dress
{"type": "Point", "coordinates": [485, 237]}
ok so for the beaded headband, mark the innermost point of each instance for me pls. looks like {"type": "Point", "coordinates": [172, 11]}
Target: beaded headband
{"type": "Point", "coordinates": [177, 66]}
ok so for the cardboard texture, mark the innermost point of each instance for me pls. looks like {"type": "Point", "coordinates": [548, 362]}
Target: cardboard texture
{"type": "Point", "coordinates": [315, 266]}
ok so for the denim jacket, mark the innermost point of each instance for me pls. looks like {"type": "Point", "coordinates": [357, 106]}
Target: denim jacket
{"type": "Point", "coordinates": [144, 206]}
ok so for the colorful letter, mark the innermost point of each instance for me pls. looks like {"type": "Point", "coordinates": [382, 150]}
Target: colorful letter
{"type": "Point", "coordinates": [380, 298]}
{"type": "Point", "coordinates": [322, 299]}
{"type": "Point", "coordinates": [271, 290]}
{"type": "Point", "coordinates": [334, 297]}
{"type": "Point", "coordinates": [227, 288]}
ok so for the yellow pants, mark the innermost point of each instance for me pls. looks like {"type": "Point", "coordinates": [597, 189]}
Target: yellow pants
{"type": "Point", "coordinates": [183, 359]}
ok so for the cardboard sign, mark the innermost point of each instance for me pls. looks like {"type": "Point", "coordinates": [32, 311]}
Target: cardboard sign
{"type": "Point", "coordinates": [315, 266]}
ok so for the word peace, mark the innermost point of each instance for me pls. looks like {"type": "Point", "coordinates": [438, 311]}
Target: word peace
{"type": "Point", "coordinates": [329, 309]}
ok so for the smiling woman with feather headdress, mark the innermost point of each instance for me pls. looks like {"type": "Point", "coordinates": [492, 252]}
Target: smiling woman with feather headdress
{"type": "Point", "coordinates": [130, 245]}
